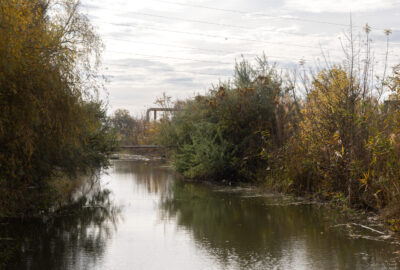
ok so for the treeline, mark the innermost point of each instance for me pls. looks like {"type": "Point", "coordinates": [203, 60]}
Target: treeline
{"type": "Point", "coordinates": [333, 133]}
{"type": "Point", "coordinates": [129, 130]}
{"type": "Point", "coordinates": [136, 130]}
{"type": "Point", "coordinates": [52, 125]}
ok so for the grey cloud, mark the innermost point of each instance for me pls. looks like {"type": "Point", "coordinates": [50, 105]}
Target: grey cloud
{"type": "Point", "coordinates": [180, 80]}
{"type": "Point", "coordinates": [169, 73]}
{"type": "Point", "coordinates": [126, 33]}
{"type": "Point", "coordinates": [142, 63]}
{"type": "Point", "coordinates": [123, 78]}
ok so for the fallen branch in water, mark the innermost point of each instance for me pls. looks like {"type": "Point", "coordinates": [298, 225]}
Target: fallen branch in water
{"type": "Point", "coordinates": [368, 228]}
{"type": "Point", "coordinates": [360, 225]}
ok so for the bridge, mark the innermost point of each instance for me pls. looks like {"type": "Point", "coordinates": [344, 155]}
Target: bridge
{"type": "Point", "coordinates": [155, 110]}
{"type": "Point", "coordinates": [148, 149]}
{"type": "Point", "coordinates": [158, 151]}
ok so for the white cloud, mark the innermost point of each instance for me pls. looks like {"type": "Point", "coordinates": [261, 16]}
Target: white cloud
{"type": "Point", "coordinates": [344, 6]}
{"type": "Point", "coordinates": [148, 55]}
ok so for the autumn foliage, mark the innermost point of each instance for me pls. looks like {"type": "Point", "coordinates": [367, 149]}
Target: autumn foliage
{"type": "Point", "coordinates": [51, 122]}
{"type": "Point", "coordinates": [224, 135]}
{"type": "Point", "coordinates": [338, 141]}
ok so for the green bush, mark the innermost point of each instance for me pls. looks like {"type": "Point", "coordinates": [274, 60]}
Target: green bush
{"type": "Point", "coordinates": [222, 135]}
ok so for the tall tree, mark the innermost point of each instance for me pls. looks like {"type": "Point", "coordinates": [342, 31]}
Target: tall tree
{"type": "Point", "coordinates": [50, 119]}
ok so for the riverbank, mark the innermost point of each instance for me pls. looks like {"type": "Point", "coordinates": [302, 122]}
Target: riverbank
{"type": "Point", "coordinates": [356, 223]}
{"type": "Point", "coordinates": [361, 223]}
{"type": "Point", "coordinates": [332, 144]}
{"type": "Point", "coordinates": [147, 210]}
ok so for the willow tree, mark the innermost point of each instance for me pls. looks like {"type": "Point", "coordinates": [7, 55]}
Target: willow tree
{"type": "Point", "coordinates": [51, 122]}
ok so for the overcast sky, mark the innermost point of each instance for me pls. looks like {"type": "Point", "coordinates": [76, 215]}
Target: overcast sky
{"type": "Point", "coordinates": [181, 47]}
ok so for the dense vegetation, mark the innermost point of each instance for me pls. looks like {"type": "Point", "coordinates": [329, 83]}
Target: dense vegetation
{"type": "Point", "coordinates": [335, 135]}
{"type": "Point", "coordinates": [52, 125]}
{"type": "Point", "coordinates": [129, 130]}
{"type": "Point", "coordinates": [221, 135]}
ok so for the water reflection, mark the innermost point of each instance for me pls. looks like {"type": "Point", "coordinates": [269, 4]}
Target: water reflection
{"type": "Point", "coordinates": [256, 233]}
{"type": "Point", "coordinates": [147, 219]}
{"type": "Point", "coordinates": [75, 239]}
{"type": "Point", "coordinates": [152, 177]}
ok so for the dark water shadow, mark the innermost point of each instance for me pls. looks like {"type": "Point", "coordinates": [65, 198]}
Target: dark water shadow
{"type": "Point", "coordinates": [258, 233]}
{"type": "Point", "coordinates": [74, 238]}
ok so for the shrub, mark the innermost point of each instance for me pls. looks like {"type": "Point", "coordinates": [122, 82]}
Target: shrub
{"type": "Point", "coordinates": [222, 135]}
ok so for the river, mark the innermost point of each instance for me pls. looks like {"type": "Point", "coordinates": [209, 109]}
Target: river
{"type": "Point", "coordinates": [142, 216]}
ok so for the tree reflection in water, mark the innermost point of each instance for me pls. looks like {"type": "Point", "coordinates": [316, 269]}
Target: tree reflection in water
{"type": "Point", "coordinates": [228, 230]}
{"type": "Point", "coordinates": [153, 177]}
{"type": "Point", "coordinates": [74, 238]}
{"type": "Point", "coordinates": [258, 233]}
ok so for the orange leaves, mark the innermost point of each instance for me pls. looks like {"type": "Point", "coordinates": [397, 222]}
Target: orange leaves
{"type": "Point", "coordinates": [365, 178]}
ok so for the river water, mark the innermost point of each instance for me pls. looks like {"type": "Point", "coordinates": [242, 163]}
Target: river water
{"type": "Point", "coordinates": [141, 216]}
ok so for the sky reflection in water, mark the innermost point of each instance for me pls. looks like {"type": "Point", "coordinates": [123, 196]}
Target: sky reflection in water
{"type": "Point", "coordinates": [140, 217]}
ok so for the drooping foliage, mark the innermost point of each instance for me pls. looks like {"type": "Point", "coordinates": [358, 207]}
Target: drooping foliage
{"type": "Point", "coordinates": [51, 122]}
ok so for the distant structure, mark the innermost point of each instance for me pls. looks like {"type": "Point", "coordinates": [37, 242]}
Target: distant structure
{"type": "Point", "coordinates": [155, 110]}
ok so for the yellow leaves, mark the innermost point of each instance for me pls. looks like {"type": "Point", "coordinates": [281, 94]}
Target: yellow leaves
{"type": "Point", "coordinates": [314, 93]}
{"type": "Point", "coordinates": [212, 102]}
{"type": "Point", "coordinates": [38, 74]}
{"type": "Point", "coordinates": [246, 91]}
{"type": "Point", "coordinates": [23, 30]}
{"type": "Point", "coordinates": [221, 92]}
{"type": "Point", "coordinates": [335, 141]}
{"type": "Point", "coordinates": [364, 180]}
{"type": "Point", "coordinates": [394, 225]}
{"type": "Point", "coordinates": [336, 136]}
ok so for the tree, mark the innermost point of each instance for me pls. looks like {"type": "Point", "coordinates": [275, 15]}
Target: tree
{"type": "Point", "coordinates": [128, 128]}
{"type": "Point", "coordinates": [49, 114]}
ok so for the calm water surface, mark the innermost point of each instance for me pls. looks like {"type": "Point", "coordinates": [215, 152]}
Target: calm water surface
{"type": "Point", "coordinates": [141, 217]}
